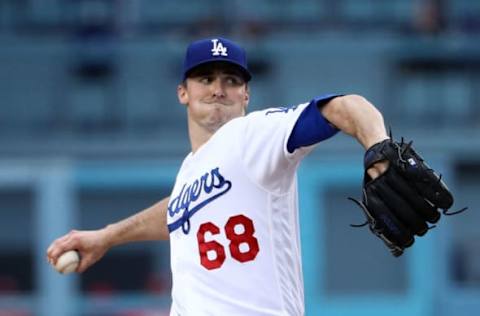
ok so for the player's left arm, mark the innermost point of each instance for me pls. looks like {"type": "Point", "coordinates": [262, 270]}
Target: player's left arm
{"type": "Point", "coordinates": [357, 117]}
{"type": "Point", "coordinates": [401, 193]}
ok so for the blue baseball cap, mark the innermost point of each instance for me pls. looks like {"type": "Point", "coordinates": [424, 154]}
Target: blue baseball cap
{"type": "Point", "coordinates": [212, 50]}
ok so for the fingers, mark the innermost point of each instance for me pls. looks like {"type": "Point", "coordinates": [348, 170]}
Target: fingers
{"type": "Point", "coordinates": [86, 262]}
{"type": "Point", "coordinates": [91, 246]}
{"type": "Point", "coordinates": [90, 256]}
{"type": "Point", "coordinates": [377, 169]}
{"type": "Point", "coordinates": [67, 242]}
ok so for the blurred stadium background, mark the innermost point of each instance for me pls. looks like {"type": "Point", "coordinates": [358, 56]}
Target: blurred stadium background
{"type": "Point", "coordinates": [91, 131]}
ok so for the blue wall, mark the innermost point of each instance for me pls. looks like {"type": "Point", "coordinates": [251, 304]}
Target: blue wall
{"type": "Point", "coordinates": [91, 131]}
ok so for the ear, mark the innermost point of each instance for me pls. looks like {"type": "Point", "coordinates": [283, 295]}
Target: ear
{"type": "Point", "coordinates": [247, 96]}
{"type": "Point", "coordinates": [182, 93]}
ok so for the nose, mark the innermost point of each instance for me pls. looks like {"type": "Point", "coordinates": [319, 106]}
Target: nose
{"type": "Point", "coordinates": [218, 88]}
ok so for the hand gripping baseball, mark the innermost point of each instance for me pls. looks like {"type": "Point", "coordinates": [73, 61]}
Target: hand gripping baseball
{"type": "Point", "coordinates": [401, 202]}
{"type": "Point", "coordinates": [91, 246]}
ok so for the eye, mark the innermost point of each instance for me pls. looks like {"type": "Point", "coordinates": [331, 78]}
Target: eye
{"type": "Point", "coordinates": [205, 79]}
{"type": "Point", "coordinates": [234, 80]}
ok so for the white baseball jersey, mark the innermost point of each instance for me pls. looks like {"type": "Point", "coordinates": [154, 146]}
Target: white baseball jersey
{"type": "Point", "coordinates": [233, 221]}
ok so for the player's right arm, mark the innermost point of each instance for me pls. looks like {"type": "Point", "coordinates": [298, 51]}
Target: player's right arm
{"type": "Point", "coordinates": [149, 224]}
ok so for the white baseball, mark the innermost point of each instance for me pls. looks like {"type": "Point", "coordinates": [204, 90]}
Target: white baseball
{"type": "Point", "coordinates": [68, 262]}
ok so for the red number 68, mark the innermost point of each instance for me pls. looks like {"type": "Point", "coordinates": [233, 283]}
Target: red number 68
{"type": "Point", "coordinates": [236, 239]}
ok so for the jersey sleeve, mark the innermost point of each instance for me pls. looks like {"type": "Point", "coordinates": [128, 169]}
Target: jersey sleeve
{"type": "Point", "coordinates": [266, 153]}
{"type": "Point", "coordinates": [311, 127]}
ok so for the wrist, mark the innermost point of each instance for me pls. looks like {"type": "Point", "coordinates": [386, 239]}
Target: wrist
{"type": "Point", "coordinates": [109, 235]}
{"type": "Point", "coordinates": [368, 142]}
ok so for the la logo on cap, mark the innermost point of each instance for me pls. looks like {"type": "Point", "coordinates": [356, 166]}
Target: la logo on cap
{"type": "Point", "coordinates": [218, 48]}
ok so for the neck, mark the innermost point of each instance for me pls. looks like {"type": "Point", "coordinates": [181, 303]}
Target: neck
{"type": "Point", "coordinates": [198, 136]}
{"type": "Point", "coordinates": [198, 140]}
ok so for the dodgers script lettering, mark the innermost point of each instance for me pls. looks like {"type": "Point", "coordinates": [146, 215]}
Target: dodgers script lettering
{"type": "Point", "coordinates": [200, 192]}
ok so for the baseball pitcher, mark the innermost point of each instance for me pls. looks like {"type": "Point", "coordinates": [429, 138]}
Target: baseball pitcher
{"type": "Point", "coordinates": [232, 216]}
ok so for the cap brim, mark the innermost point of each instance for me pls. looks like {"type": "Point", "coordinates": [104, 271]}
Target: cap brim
{"type": "Point", "coordinates": [244, 71]}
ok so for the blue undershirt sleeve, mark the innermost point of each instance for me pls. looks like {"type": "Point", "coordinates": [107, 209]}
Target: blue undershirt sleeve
{"type": "Point", "coordinates": [311, 127]}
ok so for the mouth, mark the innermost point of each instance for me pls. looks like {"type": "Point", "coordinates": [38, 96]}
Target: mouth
{"type": "Point", "coordinates": [218, 103]}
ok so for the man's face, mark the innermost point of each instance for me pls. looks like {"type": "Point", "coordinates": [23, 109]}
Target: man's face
{"type": "Point", "coordinates": [214, 94]}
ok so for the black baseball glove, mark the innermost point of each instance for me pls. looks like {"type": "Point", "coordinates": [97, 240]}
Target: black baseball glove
{"type": "Point", "coordinates": [401, 202]}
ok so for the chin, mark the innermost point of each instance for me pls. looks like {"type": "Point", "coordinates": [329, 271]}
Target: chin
{"type": "Point", "coordinates": [212, 126]}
